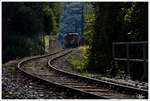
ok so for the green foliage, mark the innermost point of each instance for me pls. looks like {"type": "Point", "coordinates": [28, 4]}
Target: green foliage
{"type": "Point", "coordinates": [117, 72]}
{"type": "Point", "coordinates": [12, 52]}
{"type": "Point", "coordinates": [49, 21]}
{"type": "Point", "coordinates": [57, 9]}
{"type": "Point", "coordinates": [46, 37]}
{"type": "Point", "coordinates": [127, 17]}
{"type": "Point", "coordinates": [110, 22]}
{"type": "Point", "coordinates": [79, 59]}
{"type": "Point", "coordinates": [139, 21]}
{"type": "Point", "coordinates": [52, 17]}
{"type": "Point", "coordinates": [89, 22]}
{"type": "Point", "coordinates": [69, 69]}
{"type": "Point", "coordinates": [23, 27]}
{"type": "Point", "coordinates": [90, 74]}
{"type": "Point", "coordinates": [75, 60]}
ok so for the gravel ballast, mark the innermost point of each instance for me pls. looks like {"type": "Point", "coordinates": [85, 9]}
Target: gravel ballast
{"type": "Point", "coordinates": [17, 86]}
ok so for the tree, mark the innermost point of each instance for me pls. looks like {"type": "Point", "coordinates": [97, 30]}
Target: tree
{"type": "Point", "coordinates": [49, 21]}
{"type": "Point", "coordinates": [100, 52]}
{"type": "Point", "coordinates": [121, 21]}
{"type": "Point", "coordinates": [23, 27]}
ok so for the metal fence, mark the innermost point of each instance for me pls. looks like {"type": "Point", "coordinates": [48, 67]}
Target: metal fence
{"type": "Point", "coordinates": [128, 59]}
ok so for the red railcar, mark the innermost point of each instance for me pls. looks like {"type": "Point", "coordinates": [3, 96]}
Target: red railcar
{"type": "Point", "coordinates": [71, 40]}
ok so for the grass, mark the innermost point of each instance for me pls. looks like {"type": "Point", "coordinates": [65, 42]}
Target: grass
{"type": "Point", "coordinates": [74, 59]}
{"type": "Point", "coordinates": [90, 74]}
{"type": "Point", "coordinates": [23, 67]}
{"type": "Point", "coordinates": [78, 59]}
{"type": "Point", "coordinates": [31, 57]}
{"type": "Point", "coordinates": [69, 69]}
{"type": "Point", "coordinates": [42, 67]}
{"type": "Point", "coordinates": [13, 69]}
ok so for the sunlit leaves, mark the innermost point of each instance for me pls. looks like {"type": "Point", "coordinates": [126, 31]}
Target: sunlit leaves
{"type": "Point", "coordinates": [129, 33]}
{"type": "Point", "coordinates": [129, 11]}
{"type": "Point", "coordinates": [136, 20]}
{"type": "Point", "coordinates": [90, 21]}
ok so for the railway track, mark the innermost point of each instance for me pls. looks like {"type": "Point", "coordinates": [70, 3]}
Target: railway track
{"type": "Point", "coordinates": [42, 69]}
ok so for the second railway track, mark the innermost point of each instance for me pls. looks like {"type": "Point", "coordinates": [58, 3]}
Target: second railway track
{"type": "Point", "coordinates": [41, 68]}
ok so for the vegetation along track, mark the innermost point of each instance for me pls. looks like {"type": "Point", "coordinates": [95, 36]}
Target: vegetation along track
{"type": "Point", "coordinates": [73, 83]}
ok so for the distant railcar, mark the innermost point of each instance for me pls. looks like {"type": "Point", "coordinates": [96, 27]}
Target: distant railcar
{"type": "Point", "coordinates": [71, 40]}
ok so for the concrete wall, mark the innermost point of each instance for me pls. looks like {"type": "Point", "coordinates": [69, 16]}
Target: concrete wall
{"type": "Point", "coordinates": [54, 45]}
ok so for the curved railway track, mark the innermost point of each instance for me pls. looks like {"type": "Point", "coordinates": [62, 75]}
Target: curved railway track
{"type": "Point", "coordinates": [41, 69]}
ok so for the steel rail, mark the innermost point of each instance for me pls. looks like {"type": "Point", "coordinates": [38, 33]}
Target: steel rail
{"type": "Point", "coordinates": [87, 79]}
{"type": "Point", "coordinates": [128, 89]}
{"type": "Point", "coordinates": [55, 85]}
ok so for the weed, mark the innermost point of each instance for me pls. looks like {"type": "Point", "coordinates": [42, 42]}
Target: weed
{"type": "Point", "coordinates": [83, 48]}
{"type": "Point", "coordinates": [75, 60]}
{"type": "Point", "coordinates": [23, 67]}
{"type": "Point", "coordinates": [69, 69]}
{"type": "Point", "coordinates": [13, 69]}
{"type": "Point", "coordinates": [90, 74]}
{"type": "Point", "coordinates": [17, 59]}
{"type": "Point", "coordinates": [42, 67]}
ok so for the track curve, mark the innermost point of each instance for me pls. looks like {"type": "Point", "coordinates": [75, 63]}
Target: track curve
{"type": "Point", "coordinates": [119, 87]}
{"type": "Point", "coordinates": [85, 86]}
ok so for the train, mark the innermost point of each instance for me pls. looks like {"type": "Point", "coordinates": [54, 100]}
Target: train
{"type": "Point", "coordinates": [71, 40]}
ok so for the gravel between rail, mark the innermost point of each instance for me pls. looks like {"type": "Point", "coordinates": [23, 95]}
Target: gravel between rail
{"type": "Point", "coordinates": [63, 64]}
{"type": "Point", "coordinates": [15, 85]}
{"type": "Point", "coordinates": [37, 67]}
{"type": "Point", "coordinates": [64, 60]}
